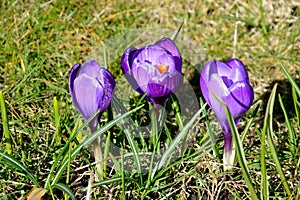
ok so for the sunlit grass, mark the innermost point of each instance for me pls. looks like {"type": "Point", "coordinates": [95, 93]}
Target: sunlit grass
{"type": "Point", "coordinates": [40, 41]}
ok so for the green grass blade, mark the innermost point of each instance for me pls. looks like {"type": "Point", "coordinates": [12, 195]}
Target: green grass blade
{"type": "Point", "coordinates": [262, 19]}
{"type": "Point", "coordinates": [175, 142]}
{"type": "Point", "coordinates": [105, 155]}
{"type": "Point", "coordinates": [65, 150]}
{"type": "Point", "coordinates": [264, 179]}
{"type": "Point", "coordinates": [65, 189]}
{"type": "Point", "coordinates": [240, 153]}
{"type": "Point", "coordinates": [105, 182]}
{"type": "Point", "coordinates": [267, 121]}
{"type": "Point", "coordinates": [127, 128]}
{"type": "Point", "coordinates": [175, 34]}
{"type": "Point", "coordinates": [239, 149]}
{"type": "Point", "coordinates": [178, 116]}
{"type": "Point", "coordinates": [292, 139]}
{"type": "Point", "coordinates": [206, 146]}
{"type": "Point", "coordinates": [294, 84]}
{"type": "Point", "coordinates": [296, 105]}
{"type": "Point", "coordinates": [29, 74]}
{"type": "Point", "coordinates": [264, 188]}
{"type": "Point", "coordinates": [154, 128]}
{"type": "Point", "coordinates": [68, 167]}
{"type": "Point", "coordinates": [149, 178]}
{"type": "Point", "coordinates": [168, 185]}
{"type": "Point", "coordinates": [57, 120]}
{"type": "Point", "coordinates": [11, 161]}
{"type": "Point", "coordinates": [297, 196]}
{"type": "Point", "coordinates": [116, 164]}
{"type": "Point", "coordinates": [89, 140]}
{"type": "Point", "coordinates": [210, 132]}
{"type": "Point", "coordinates": [123, 175]}
{"type": "Point", "coordinates": [250, 121]}
{"type": "Point", "coordinates": [8, 142]}
{"type": "Point", "coordinates": [108, 182]}
{"type": "Point", "coordinates": [271, 141]}
{"type": "Point", "coordinates": [179, 121]}
{"type": "Point", "coordinates": [168, 134]}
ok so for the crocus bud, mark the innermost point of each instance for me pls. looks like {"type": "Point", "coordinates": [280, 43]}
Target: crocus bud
{"type": "Point", "coordinates": [229, 81]}
{"type": "Point", "coordinates": [154, 70]}
{"type": "Point", "coordinates": [91, 87]}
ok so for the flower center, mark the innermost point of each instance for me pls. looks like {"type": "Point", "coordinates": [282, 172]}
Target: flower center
{"type": "Point", "coordinates": [162, 68]}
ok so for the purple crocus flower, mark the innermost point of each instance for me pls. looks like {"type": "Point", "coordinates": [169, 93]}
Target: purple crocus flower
{"type": "Point", "coordinates": [229, 81]}
{"type": "Point", "coordinates": [154, 70]}
{"type": "Point", "coordinates": [91, 88]}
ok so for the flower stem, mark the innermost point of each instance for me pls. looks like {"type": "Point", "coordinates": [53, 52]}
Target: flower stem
{"type": "Point", "coordinates": [157, 115]}
{"type": "Point", "coordinates": [154, 128]}
{"type": "Point", "coordinates": [98, 158]}
{"type": "Point", "coordinates": [229, 151]}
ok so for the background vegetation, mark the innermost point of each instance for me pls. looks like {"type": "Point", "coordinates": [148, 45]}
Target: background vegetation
{"type": "Point", "coordinates": [41, 40]}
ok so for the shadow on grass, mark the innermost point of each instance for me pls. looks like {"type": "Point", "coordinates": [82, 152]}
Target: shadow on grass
{"type": "Point", "coordinates": [284, 88]}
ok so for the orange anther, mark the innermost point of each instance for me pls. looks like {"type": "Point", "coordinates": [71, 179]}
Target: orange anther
{"type": "Point", "coordinates": [162, 68]}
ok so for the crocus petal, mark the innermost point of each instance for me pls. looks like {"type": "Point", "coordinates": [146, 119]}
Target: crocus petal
{"type": "Point", "coordinates": [127, 59]}
{"type": "Point", "coordinates": [145, 62]}
{"type": "Point", "coordinates": [169, 45]}
{"type": "Point", "coordinates": [230, 83]}
{"type": "Point", "coordinates": [91, 68]}
{"type": "Point", "coordinates": [227, 142]}
{"type": "Point", "coordinates": [160, 88]}
{"type": "Point", "coordinates": [147, 69]}
{"type": "Point", "coordinates": [87, 93]}
{"type": "Point", "coordinates": [167, 59]}
{"type": "Point", "coordinates": [223, 69]}
{"type": "Point", "coordinates": [143, 72]}
{"type": "Point", "coordinates": [158, 100]}
{"type": "Point", "coordinates": [217, 87]}
{"type": "Point", "coordinates": [126, 64]}
{"type": "Point", "coordinates": [107, 81]}
{"type": "Point", "coordinates": [151, 54]}
{"type": "Point", "coordinates": [236, 75]}
{"type": "Point", "coordinates": [204, 89]}
{"type": "Point", "coordinates": [208, 69]}
{"type": "Point", "coordinates": [104, 77]}
{"type": "Point", "coordinates": [73, 74]}
{"type": "Point", "coordinates": [236, 63]}
{"type": "Point", "coordinates": [165, 85]}
{"type": "Point", "coordinates": [226, 127]}
{"type": "Point", "coordinates": [239, 99]}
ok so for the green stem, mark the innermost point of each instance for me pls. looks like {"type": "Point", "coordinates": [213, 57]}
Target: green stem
{"type": "Point", "coordinates": [157, 115]}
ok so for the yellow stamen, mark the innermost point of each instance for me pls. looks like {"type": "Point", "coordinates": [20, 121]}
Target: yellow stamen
{"type": "Point", "coordinates": [162, 68]}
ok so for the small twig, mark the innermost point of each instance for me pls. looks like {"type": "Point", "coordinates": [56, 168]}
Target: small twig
{"type": "Point", "coordinates": [90, 184]}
